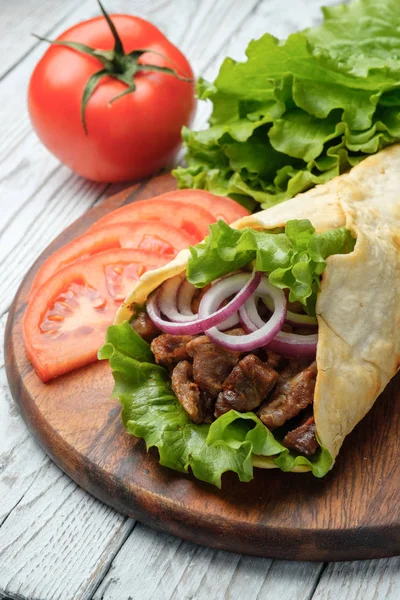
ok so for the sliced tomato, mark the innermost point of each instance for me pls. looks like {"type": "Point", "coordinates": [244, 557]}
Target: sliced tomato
{"type": "Point", "coordinates": [188, 219]}
{"type": "Point", "coordinates": [220, 207]}
{"type": "Point", "coordinates": [191, 219]}
{"type": "Point", "coordinates": [151, 236]}
{"type": "Point", "coordinates": [65, 323]}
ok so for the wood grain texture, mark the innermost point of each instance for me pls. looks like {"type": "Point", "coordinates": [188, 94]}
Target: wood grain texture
{"type": "Point", "coordinates": [20, 456]}
{"type": "Point", "coordinates": [36, 565]}
{"type": "Point", "coordinates": [20, 19]}
{"type": "Point", "coordinates": [352, 513]}
{"type": "Point", "coordinates": [168, 568]}
{"type": "Point", "coordinates": [369, 580]}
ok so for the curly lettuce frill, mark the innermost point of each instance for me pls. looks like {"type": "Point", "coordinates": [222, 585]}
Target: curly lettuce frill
{"type": "Point", "coordinates": [299, 112]}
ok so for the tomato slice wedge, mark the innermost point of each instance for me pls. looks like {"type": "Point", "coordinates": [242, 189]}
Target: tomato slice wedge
{"type": "Point", "coordinates": [221, 207]}
{"type": "Point", "coordinates": [169, 206]}
{"type": "Point", "coordinates": [65, 323]}
{"type": "Point", "coordinates": [194, 220]}
{"type": "Point", "coordinates": [150, 236]}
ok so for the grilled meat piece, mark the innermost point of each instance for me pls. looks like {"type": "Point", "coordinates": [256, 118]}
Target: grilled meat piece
{"type": "Point", "coordinates": [196, 403]}
{"type": "Point", "coordinates": [293, 393]}
{"type": "Point", "coordinates": [246, 386]}
{"type": "Point", "coordinates": [274, 360]}
{"type": "Point", "coordinates": [208, 405]}
{"type": "Point", "coordinates": [302, 438]}
{"type": "Point", "coordinates": [211, 363]}
{"type": "Point", "coordinates": [170, 349]}
{"type": "Point", "coordinates": [145, 327]}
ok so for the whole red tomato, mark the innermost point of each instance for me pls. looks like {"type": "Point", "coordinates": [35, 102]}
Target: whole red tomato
{"type": "Point", "coordinates": [131, 137]}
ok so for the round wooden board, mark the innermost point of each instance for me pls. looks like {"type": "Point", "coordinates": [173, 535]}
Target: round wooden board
{"type": "Point", "coordinates": [353, 513]}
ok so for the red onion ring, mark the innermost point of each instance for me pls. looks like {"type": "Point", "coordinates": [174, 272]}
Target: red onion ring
{"type": "Point", "coordinates": [168, 296]}
{"type": "Point", "coordinates": [185, 296]}
{"type": "Point", "coordinates": [259, 337]}
{"type": "Point", "coordinates": [291, 345]}
{"type": "Point", "coordinates": [241, 284]}
{"type": "Point", "coordinates": [295, 318]}
{"type": "Point", "coordinates": [249, 315]}
{"type": "Point", "coordinates": [181, 292]}
{"type": "Point", "coordinates": [246, 322]}
{"type": "Point", "coordinates": [231, 322]}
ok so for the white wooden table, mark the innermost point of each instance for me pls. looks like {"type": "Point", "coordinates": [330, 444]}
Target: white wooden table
{"type": "Point", "coordinates": [56, 541]}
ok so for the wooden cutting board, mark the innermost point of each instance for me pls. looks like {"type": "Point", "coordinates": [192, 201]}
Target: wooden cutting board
{"type": "Point", "coordinates": [353, 513]}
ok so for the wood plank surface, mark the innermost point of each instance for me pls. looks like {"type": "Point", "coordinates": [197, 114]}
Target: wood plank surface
{"type": "Point", "coordinates": [32, 184]}
{"type": "Point", "coordinates": [369, 580]}
{"type": "Point", "coordinates": [167, 567]}
{"type": "Point", "coordinates": [21, 18]}
{"type": "Point", "coordinates": [27, 549]}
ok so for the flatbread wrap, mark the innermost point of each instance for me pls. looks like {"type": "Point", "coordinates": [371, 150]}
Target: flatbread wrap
{"type": "Point", "coordinates": [357, 311]}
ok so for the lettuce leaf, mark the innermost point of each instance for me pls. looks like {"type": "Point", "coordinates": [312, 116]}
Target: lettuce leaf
{"type": "Point", "coordinates": [151, 411]}
{"type": "Point", "coordinates": [294, 259]}
{"type": "Point", "coordinates": [299, 112]}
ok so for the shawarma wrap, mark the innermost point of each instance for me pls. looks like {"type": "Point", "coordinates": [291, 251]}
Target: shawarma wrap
{"type": "Point", "coordinates": [357, 309]}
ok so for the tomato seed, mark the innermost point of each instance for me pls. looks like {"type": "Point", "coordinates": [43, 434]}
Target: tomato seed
{"type": "Point", "coordinates": [64, 304]}
{"type": "Point", "coordinates": [55, 318]}
{"type": "Point", "coordinates": [99, 303]}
